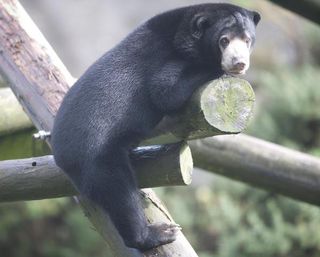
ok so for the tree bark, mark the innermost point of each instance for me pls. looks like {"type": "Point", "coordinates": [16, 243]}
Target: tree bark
{"type": "Point", "coordinates": [261, 164]}
{"type": "Point", "coordinates": [40, 178]}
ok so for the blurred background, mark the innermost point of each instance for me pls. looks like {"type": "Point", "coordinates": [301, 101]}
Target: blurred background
{"type": "Point", "coordinates": [220, 217]}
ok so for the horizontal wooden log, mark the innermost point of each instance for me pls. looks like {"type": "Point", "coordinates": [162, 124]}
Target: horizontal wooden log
{"type": "Point", "coordinates": [12, 116]}
{"type": "Point", "coordinates": [40, 178]}
{"type": "Point", "coordinates": [222, 106]}
{"type": "Point", "coordinates": [163, 165]}
{"type": "Point", "coordinates": [261, 164]}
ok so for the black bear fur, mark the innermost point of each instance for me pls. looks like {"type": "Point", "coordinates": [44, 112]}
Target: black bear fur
{"type": "Point", "coordinates": [123, 96]}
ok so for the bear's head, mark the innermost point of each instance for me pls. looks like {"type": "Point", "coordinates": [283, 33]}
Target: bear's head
{"type": "Point", "coordinates": [218, 35]}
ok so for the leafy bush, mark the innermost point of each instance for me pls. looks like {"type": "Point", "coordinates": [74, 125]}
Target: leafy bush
{"type": "Point", "coordinates": [287, 107]}
{"type": "Point", "coordinates": [231, 219]}
{"type": "Point", "coordinates": [51, 228]}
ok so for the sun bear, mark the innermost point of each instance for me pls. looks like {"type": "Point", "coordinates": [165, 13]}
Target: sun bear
{"type": "Point", "coordinates": [120, 98]}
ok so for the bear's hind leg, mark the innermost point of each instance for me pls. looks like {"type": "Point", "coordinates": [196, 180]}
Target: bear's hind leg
{"type": "Point", "coordinates": [111, 184]}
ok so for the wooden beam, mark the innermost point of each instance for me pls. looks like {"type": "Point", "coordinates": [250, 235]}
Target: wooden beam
{"type": "Point", "coordinates": [222, 106]}
{"type": "Point", "coordinates": [261, 164]}
{"type": "Point", "coordinates": [40, 178]}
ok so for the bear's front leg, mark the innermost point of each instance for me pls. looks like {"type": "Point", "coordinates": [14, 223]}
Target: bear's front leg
{"type": "Point", "coordinates": [174, 84]}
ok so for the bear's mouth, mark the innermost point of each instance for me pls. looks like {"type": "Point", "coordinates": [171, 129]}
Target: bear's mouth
{"type": "Point", "coordinates": [237, 68]}
{"type": "Point", "coordinates": [235, 72]}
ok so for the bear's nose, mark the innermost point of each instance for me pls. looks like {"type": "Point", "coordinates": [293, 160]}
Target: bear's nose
{"type": "Point", "coordinates": [239, 65]}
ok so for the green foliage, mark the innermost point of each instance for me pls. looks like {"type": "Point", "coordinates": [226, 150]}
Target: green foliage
{"type": "Point", "coordinates": [21, 145]}
{"type": "Point", "coordinates": [231, 219]}
{"type": "Point", "coordinates": [287, 108]}
{"type": "Point", "coordinates": [244, 3]}
{"type": "Point", "coordinates": [51, 228]}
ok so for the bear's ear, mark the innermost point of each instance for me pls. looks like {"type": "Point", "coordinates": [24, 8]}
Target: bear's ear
{"type": "Point", "coordinates": [198, 25]}
{"type": "Point", "coordinates": [256, 17]}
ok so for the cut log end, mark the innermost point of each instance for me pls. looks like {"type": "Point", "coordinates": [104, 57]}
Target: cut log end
{"type": "Point", "coordinates": [222, 106]}
{"type": "Point", "coordinates": [169, 165]}
{"type": "Point", "coordinates": [227, 104]}
{"type": "Point", "coordinates": [186, 164]}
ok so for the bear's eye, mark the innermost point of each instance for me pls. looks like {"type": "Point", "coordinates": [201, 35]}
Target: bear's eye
{"type": "Point", "coordinates": [248, 41]}
{"type": "Point", "coordinates": [224, 42]}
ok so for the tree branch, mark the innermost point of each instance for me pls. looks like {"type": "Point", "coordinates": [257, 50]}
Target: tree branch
{"type": "Point", "coordinates": [261, 164]}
